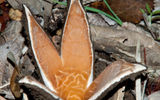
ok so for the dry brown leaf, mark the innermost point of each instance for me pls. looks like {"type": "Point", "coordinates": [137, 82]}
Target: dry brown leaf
{"type": "Point", "coordinates": [1, 1]}
{"type": "Point", "coordinates": [13, 43]}
{"type": "Point", "coordinates": [105, 38]}
{"type": "Point", "coordinates": [38, 7]}
{"type": "Point", "coordinates": [127, 10]}
{"type": "Point", "coordinates": [4, 17]}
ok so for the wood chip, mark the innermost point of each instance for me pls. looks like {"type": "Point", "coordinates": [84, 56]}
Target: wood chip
{"type": "Point", "coordinates": [15, 14]}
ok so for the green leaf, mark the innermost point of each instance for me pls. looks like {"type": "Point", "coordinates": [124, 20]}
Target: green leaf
{"type": "Point", "coordinates": [61, 3]}
{"type": "Point", "coordinates": [142, 11]}
{"type": "Point", "coordinates": [148, 8]}
{"type": "Point", "coordinates": [103, 13]}
{"type": "Point", "coordinates": [112, 11]}
{"type": "Point", "coordinates": [156, 12]}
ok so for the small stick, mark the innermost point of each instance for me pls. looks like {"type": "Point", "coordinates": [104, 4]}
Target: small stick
{"type": "Point", "coordinates": [144, 87]}
{"type": "Point", "coordinates": [138, 89]}
{"type": "Point", "coordinates": [5, 85]}
{"type": "Point", "coordinates": [138, 80]}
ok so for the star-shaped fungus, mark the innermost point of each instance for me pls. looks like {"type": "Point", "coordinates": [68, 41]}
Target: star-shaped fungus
{"type": "Point", "coordinates": [69, 76]}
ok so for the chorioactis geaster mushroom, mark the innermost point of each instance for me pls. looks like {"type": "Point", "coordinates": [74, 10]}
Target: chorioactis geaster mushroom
{"type": "Point", "coordinates": [69, 76]}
